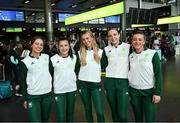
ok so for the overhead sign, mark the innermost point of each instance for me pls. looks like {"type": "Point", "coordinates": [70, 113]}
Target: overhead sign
{"type": "Point", "coordinates": [168, 20]}
{"type": "Point", "coordinates": [141, 25]}
{"type": "Point", "coordinates": [110, 10]}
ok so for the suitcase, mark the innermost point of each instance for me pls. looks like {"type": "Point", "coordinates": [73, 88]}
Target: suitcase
{"type": "Point", "coordinates": [5, 86]}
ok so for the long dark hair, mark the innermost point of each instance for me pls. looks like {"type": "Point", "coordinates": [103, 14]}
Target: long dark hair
{"type": "Point", "coordinates": [34, 39]}
{"type": "Point", "coordinates": [70, 53]}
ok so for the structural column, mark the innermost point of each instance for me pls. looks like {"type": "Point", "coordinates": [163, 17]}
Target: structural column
{"type": "Point", "coordinates": [48, 20]}
{"type": "Point", "coordinates": [139, 3]}
{"type": "Point", "coordinates": [123, 23]}
{"type": "Point", "coordinates": [178, 7]}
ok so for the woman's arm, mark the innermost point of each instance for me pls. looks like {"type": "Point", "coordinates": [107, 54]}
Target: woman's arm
{"type": "Point", "coordinates": [22, 78]}
{"type": "Point", "coordinates": [104, 61]}
{"type": "Point", "coordinates": [157, 74]}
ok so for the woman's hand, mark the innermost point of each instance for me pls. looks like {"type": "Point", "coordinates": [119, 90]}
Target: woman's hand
{"type": "Point", "coordinates": [156, 99]}
{"type": "Point", "coordinates": [25, 104]}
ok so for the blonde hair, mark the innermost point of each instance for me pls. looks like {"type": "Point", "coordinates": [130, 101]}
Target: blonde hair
{"type": "Point", "coordinates": [83, 52]}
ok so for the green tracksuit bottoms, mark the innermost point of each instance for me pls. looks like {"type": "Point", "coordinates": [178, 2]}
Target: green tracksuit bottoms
{"type": "Point", "coordinates": [141, 101]}
{"type": "Point", "coordinates": [65, 106]}
{"type": "Point", "coordinates": [117, 94]}
{"type": "Point", "coordinates": [90, 91]}
{"type": "Point", "coordinates": [39, 107]}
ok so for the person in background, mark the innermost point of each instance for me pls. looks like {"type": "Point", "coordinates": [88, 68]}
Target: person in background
{"type": "Point", "coordinates": [172, 39]}
{"type": "Point", "coordinates": [36, 82]}
{"type": "Point", "coordinates": [156, 46]}
{"type": "Point", "coordinates": [25, 51]}
{"type": "Point", "coordinates": [89, 77]}
{"type": "Point", "coordinates": [115, 62]}
{"type": "Point", "coordinates": [2, 55]}
{"type": "Point", "coordinates": [145, 78]}
{"type": "Point", "coordinates": [5, 61]}
{"type": "Point", "coordinates": [156, 43]}
{"type": "Point", "coordinates": [164, 47]}
{"type": "Point", "coordinates": [2, 60]}
{"type": "Point", "coordinates": [173, 43]}
{"type": "Point", "coordinates": [14, 56]}
{"type": "Point", "coordinates": [64, 81]}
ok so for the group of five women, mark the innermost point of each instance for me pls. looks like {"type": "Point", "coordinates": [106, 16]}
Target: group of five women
{"type": "Point", "coordinates": [134, 75]}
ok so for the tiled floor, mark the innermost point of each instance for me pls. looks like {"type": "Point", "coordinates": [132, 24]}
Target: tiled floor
{"type": "Point", "coordinates": [168, 109]}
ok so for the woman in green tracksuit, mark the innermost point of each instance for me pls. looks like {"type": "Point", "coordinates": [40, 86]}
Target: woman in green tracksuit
{"type": "Point", "coordinates": [36, 82]}
{"type": "Point", "coordinates": [145, 78]}
{"type": "Point", "coordinates": [89, 76]}
{"type": "Point", "coordinates": [64, 83]}
{"type": "Point", "coordinates": [115, 57]}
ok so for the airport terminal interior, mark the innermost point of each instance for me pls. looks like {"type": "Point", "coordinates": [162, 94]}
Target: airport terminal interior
{"type": "Point", "coordinates": [20, 20]}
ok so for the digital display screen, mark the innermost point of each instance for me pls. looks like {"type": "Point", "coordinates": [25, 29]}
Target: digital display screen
{"type": "Point", "coordinates": [112, 19]}
{"type": "Point", "coordinates": [40, 29]}
{"type": "Point", "coordinates": [96, 21]}
{"type": "Point", "coordinates": [62, 29]}
{"type": "Point", "coordinates": [8, 15]}
{"type": "Point", "coordinates": [84, 29]}
{"type": "Point", "coordinates": [16, 29]}
{"type": "Point", "coordinates": [142, 16]}
{"type": "Point", "coordinates": [62, 16]}
{"type": "Point", "coordinates": [104, 29]}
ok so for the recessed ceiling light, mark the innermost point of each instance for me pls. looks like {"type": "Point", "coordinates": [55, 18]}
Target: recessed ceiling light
{"type": "Point", "coordinates": [52, 4]}
{"type": "Point", "coordinates": [74, 6]}
{"type": "Point", "coordinates": [92, 7]}
{"type": "Point", "coordinates": [27, 1]}
{"type": "Point", "coordinates": [112, 1]}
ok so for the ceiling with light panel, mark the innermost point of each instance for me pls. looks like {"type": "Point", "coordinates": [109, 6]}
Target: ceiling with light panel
{"type": "Point", "coordinates": [34, 9]}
